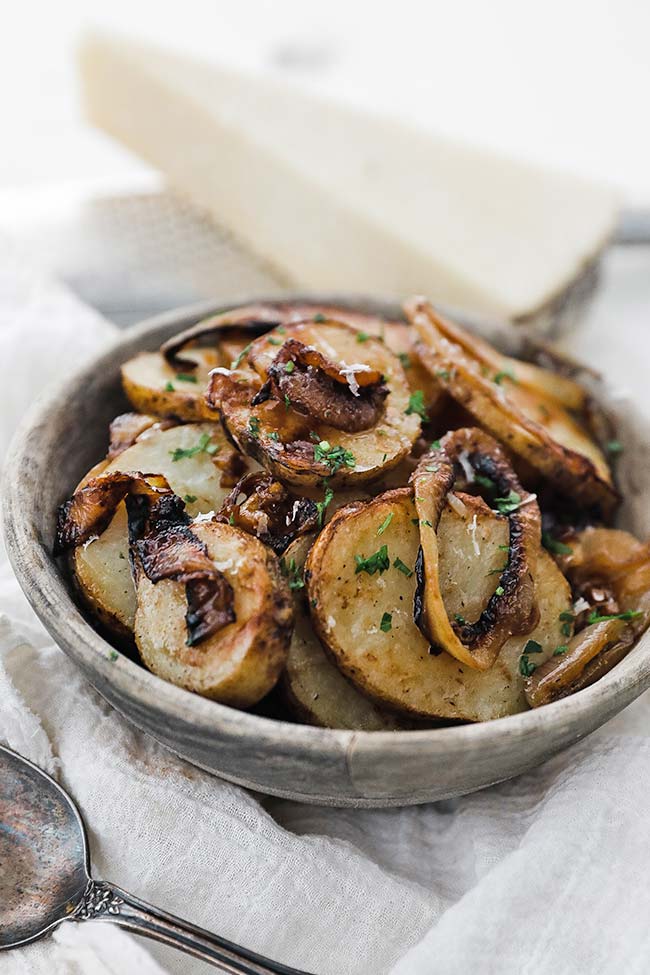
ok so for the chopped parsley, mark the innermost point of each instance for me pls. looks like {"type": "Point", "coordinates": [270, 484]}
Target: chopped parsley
{"type": "Point", "coordinates": [505, 374]}
{"type": "Point", "coordinates": [231, 520]}
{"type": "Point", "coordinates": [434, 469]}
{"type": "Point", "coordinates": [526, 668]}
{"type": "Point", "coordinates": [460, 619]}
{"type": "Point", "coordinates": [629, 614]}
{"type": "Point", "coordinates": [287, 401]}
{"type": "Point", "coordinates": [321, 506]}
{"type": "Point", "coordinates": [292, 573]}
{"type": "Point", "coordinates": [405, 359]}
{"type": "Point", "coordinates": [499, 591]}
{"type": "Point", "coordinates": [203, 446]}
{"type": "Point", "coordinates": [334, 457]}
{"type": "Point", "coordinates": [503, 548]}
{"type": "Point", "coordinates": [533, 647]}
{"type": "Point", "coordinates": [189, 498]}
{"type": "Point", "coordinates": [499, 569]}
{"type": "Point", "coordinates": [555, 546]}
{"type": "Point", "coordinates": [425, 521]}
{"type": "Point", "coordinates": [560, 650]}
{"type": "Point", "coordinates": [273, 341]}
{"type": "Point", "coordinates": [434, 445]}
{"type": "Point", "coordinates": [319, 318]}
{"type": "Point", "coordinates": [567, 619]}
{"type": "Point", "coordinates": [236, 363]}
{"type": "Point", "coordinates": [113, 655]}
{"type": "Point", "coordinates": [385, 523]}
{"type": "Point", "coordinates": [377, 562]}
{"type": "Point", "coordinates": [290, 366]}
{"type": "Point", "coordinates": [169, 387]}
{"type": "Point", "coordinates": [507, 505]}
{"type": "Point", "coordinates": [443, 373]}
{"type": "Point", "coordinates": [186, 377]}
{"type": "Point", "coordinates": [416, 405]}
{"type": "Point", "coordinates": [485, 482]}
{"type": "Point", "coordinates": [281, 330]}
{"type": "Point", "coordinates": [614, 447]}
{"type": "Point", "coordinates": [274, 435]}
{"type": "Point", "coordinates": [386, 624]}
{"type": "Point", "coordinates": [254, 427]}
{"type": "Point", "coordinates": [122, 555]}
{"type": "Point", "coordinates": [402, 567]}
{"type": "Point", "coordinates": [362, 336]}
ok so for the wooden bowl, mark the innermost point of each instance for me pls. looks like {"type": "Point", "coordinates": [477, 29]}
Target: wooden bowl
{"type": "Point", "coordinates": [65, 433]}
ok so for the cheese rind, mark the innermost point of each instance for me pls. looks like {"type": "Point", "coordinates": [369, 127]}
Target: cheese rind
{"type": "Point", "coordinates": [337, 198]}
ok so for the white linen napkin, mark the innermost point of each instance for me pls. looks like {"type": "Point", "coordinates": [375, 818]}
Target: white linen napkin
{"type": "Point", "coordinates": [546, 874]}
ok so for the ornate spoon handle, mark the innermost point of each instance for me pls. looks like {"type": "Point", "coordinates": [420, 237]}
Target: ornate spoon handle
{"type": "Point", "coordinates": [104, 902]}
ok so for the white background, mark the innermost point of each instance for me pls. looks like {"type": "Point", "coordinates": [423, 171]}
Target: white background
{"type": "Point", "coordinates": [564, 81]}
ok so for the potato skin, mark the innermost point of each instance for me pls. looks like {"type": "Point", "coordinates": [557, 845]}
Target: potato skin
{"type": "Point", "coordinates": [395, 667]}
{"type": "Point", "coordinates": [241, 663]}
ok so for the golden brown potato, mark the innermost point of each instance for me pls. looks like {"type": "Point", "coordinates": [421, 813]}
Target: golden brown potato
{"type": "Point", "coordinates": [300, 448]}
{"type": "Point", "coordinates": [533, 425]}
{"type": "Point", "coordinates": [241, 662]}
{"type": "Point", "coordinates": [153, 386]}
{"type": "Point", "coordinates": [366, 620]}
{"type": "Point", "coordinates": [101, 567]}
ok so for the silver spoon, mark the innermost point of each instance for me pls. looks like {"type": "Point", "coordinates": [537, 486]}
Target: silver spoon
{"type": "Point", "coordinates": [45, 878]}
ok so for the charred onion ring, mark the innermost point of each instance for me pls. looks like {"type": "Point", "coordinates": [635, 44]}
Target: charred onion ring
{"type": "Point", "coordinates": [513, 607]}
{"type": "Point", "coordinates": [268, 511]}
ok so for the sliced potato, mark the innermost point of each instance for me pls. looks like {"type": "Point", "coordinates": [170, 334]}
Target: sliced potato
{"type": "Point", "coordinates": [534, 426]}
{"type": "Point", "coordinates": [240, 663]}
{"type": "Point", "coordinates": [153, 386]}
{"type": "Point", "coordinates": [101, 568]}
{"type": "Point", "coordinates": [366, 621]}
{"type": "Point", "coordinates": [297, 448]}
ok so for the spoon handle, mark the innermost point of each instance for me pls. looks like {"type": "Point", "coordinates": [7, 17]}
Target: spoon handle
{"type": "Point", "coordinates": [105, 902]}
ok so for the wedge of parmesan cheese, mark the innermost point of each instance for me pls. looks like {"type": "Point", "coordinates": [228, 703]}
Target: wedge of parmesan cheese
{"type": "Point", "coordinates": [337, 198]}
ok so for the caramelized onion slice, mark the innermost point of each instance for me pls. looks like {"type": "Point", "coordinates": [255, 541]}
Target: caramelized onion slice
{"type": "Point", "coordinates": [255, 318]}
{"type": "Point", "coordinates": [90, 509]}
{"type": "Point", "coordinates": [164, 546]}
{"type": "Point", "coordinates": [126, 428]}
{"type": "Point", "coordinates": [300, 449]}
{"type": "Point", "coordinates": [512, 609]}
{"type": "Point", "coordinates": [265, 508]}
{"type": "Point", "coordinates": [536, 427]}
{"type": "Point", "coordinates": [590, 654]}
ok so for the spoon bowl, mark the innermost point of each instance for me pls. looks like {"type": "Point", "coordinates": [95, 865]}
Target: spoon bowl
{"type": "Point", "coordinates": [45, 878]}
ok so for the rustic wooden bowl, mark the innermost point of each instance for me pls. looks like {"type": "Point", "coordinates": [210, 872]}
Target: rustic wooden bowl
{"type": "Point", "coordinates": [65, 433]}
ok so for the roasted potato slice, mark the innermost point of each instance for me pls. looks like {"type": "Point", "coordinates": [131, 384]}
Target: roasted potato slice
{"type": "Point", "coordinates": [512, 609]}
{"type": "Point", "coordinates": [291, 439]}
{"type": "Point", "coordinates": [241, 662]}
{"type": "Point", "coordinates": [153, 386]}
{"type": "Point", "coordinates": [534, 426]}
{"type": "Point", "coordinates": [101, 567]}
{"type": "Point", "coordinates": [366, 620]}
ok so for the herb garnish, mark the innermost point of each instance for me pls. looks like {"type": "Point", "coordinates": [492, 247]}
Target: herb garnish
{"type": "Point", "coordinates": [186, 377]}
{"type": "Point", "coordinates": [555, 546]}
{"type": "Point", "coordinates": [485, 482]}
{"type": "Point", "coordinates": [567, 619]}
{"type": "Point", "coordinates": [287, 401]}
{"type": "Point", "coordinates": [443, 373]}
{"type": "Point", "coordinates": [292, 573]}
{"type": "Point", "coordinates": [505, 374]}
{"type": "Point", "coordinates": [334, 457]}
{"type": "Point", "coordinates": [402, 567]}
{"type": "Point", "coordinates": [629, 614]}
{"type": "Point", "coordinates": [499, 569]}
{"type": "Point", "coordinates": [405, 359]}
{"type": "Point", "coordinates": [274, 435]}
{"type": "Point", "coordinates": [189, 498]}
{"type": "Point", "coordinates": [434, 445]}
{"type": "Point", "coordinates": [386, 624]}
{"type": "Point", "coordinates": [254, 427]}
{"type": "Point", "coordinates": [321, 506]}
{"type": "Point", "coordinates": [499, 591]}
{"type": "Point", "coordinates": [508, 504]}
{"type": "Point", "coordinates": [377, 562]}
{"type": "Point", "coordinates": [416, 405]}
{"type": "Point", "coordinates": [203, 446]}
{"type": "Point", "coordinates": [385, 523]}
{"type": "Point", "coordinates": [533, 647]}
{"type": "Point", "coordinates": [290, 366]}
{"type": "Point", "coordinates": [526, 668]}
{"type": "Point", "coordinates": [460, 619]}
{"type": "Point", "coordinates": [560, 650]}
{"type": "Point", "coordinates": [169, 388]}
{"type": "Point", "coordinates": [235, 364]}
{"type": "Point", "coordinates": [362, 336]}
{"type": "Point", "coordinates": [614, 447]}
{"type": "Point", "coordinates": [319, 317]}
{"type": "Point", "coordinates": [273, 341]}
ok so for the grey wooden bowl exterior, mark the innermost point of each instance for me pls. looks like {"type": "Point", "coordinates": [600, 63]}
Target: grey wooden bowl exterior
{"type": "Point", "coordinates": [60, 438]}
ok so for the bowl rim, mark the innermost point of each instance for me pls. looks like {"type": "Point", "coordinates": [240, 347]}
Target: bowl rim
{"type": "Point", "coordinates": [45, 588]}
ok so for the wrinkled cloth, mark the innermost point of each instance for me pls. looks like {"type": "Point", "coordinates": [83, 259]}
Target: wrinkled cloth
{"type": "Point", "coordinates": [544, 874]}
